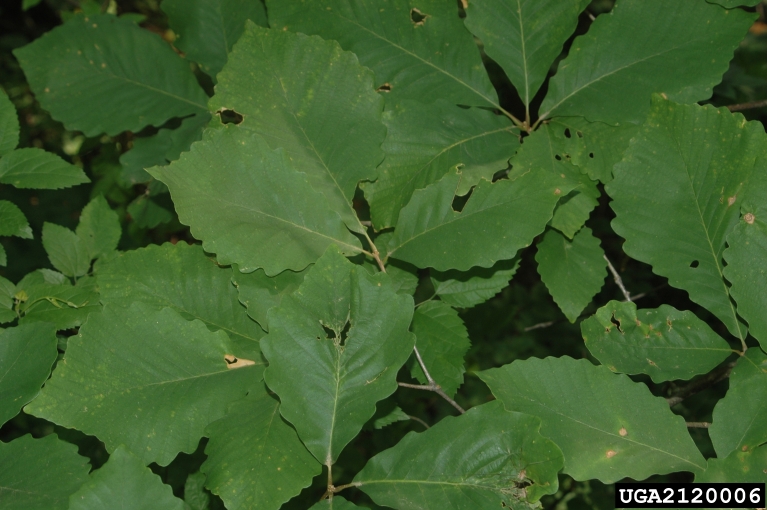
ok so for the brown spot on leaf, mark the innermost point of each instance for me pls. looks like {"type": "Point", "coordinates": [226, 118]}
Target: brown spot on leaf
{"type": "Point", "coordinates": [233, 361]}
{"type": "Point", "coordinates": [749, 218]}
{"type": "Point", "coordinates": [745, 448]}
{"type": "Point", "coordinates": [623, 432]}
{"type": "Point", "coordinates": [611, 453]}
{"type": "Point", "coordinates": [522, 474]}
{"type": "Point", "coordinates": [651, 362]}
{"type": "Point", "coordinates": [731, 200]}
{"type": "Point", "coordinates": [557, 191]}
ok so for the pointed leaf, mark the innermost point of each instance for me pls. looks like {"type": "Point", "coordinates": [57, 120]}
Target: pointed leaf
{"type": "Point", "coordinates": [343, 374]}
{"type": "Point", "coordinates": [573, 271]}
{"type": "Point", "coordinates": [442, 341]}
{"type": "Point", "coordinates": [498, 219]}
{"type": "Point", "coordinates": [12, 221]}
{"type": "Point", "coordinates": [412, 58]}
{"type": "Point", "coordinates": [394, 416]}
{"type": "Point", "coordinates": [607, 426]}
{"type": "Point", "coordinates": [678, 191]}
{"type": "Point", "coordinates": [36, 168]}
{"type": "Point", "coordinates": [640, 48]}
{"type": "Point", "coordinates": [149, 380]}
{"type": "Point", "coordinates": [99, 228]}
{"type": "Point", "coordinates": [9, 125]}
{"type": "Point", "coordinates": [259, 292]}
{"type": "Point", "coordinates": [87, 70]}
{"type": "Point", "coordinates": [207, 29]}
{"type": "Point", "coordinates": [738, 467]}
{"type": "Point", "coordinates": [424, 142]}
{"type": "Point", "coordinates": [40, 474]}
{"type": "Point", "coordinates": [27, 353]}
{"type": "Point", "coordinates": [664, 343]}
{"type": "Point", "coordinates": [65, 305]}
{"type": "Point", "coordinates": [255, 459]}
{"type": "Point", "coordinates": [124, 482]}
{"type": "Point", "coordinates": [740, 418]}
{"type": "Point", "coordinates": [67, 252]}
{"type": "Point", "coordinates": [180, 277]}
{"type": "Point", "coordinates": [524, 36]}
{"type": "Point", "coordinates": [7, 297]}
{"type": "Point", "coordinates": [304, 93]}
{"type": "Point", "coordinates": [574, 209]}
{"type": "Point", "coordinates": [257, 211]}
{"type": "Point", "coordinates": [477, 461]}
{"type": "Point", "coordinates": [475, 286]}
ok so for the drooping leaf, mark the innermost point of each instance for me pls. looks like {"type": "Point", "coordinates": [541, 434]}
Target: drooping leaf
{"type": "Point", "coordinates": [99, 228]}
{"type": "Point", "coordinates": [678, 191]}
{"type": "Point", "coordinates": [664, 343]}
{"type": "Point", "coordinates": [475, 286]}
{"type": "Point", "coordinates": [255, 459]}
{"type": "Point", "coordinates": [147, 214]}
{"type": "Point", "coordinates": [9, 124]}
{"type": "Point", "coordinates": [524, 36]}
{"type": "Point", "coordinates": [395, 415]}
{"type": "Point", "coordinates": [27, 353]}
{"type": "Point", "coordinates": [343, 374]}
{"type": "Point", "coordinates": [336, 503]}
{"type": "Point", "coordinates": [149, 380]}
{"type": "Point", "coordinates": [39, 474]}
{"type": "Point", "coordinates": [740, 418]}
{"type": "Point", "coordinates": [259, 292]}
{"type": "Point", "coordinates": [640, 48]}
{"type": "Point", "coordinates": [411, 57]}
{"type": "Point", "coordinates": [498, 219]}
{"type": "Point", "coordinates": [442, 341]}
{"type": "Point", "coordinates": [36, 168]}
{"type": "Point", "coordinates": [180, 277]}
{"type": "Point", "coordinates": [423, 142]}
{"type": "Point", "coordinates": [256, 211]}
{"type": "Point", "coordinates": [63, 304]}
{"type": "Point", "coordinates": [300, 93]}
{"type": "Point", "coordinates": [607, 426]}
{"type": "Point", "coordinates": [573, 271]}
{"type": "Point", "coordinates": [478, 461]}
{"type": "Point", "coordinates": [7, 296]}
{"type": "Point", "coordinates": [67, 252]}
{"type": "Point", "coordinates": [87, 70]}
{"type": "Point", "coordinates": [740, 467]}
{"type": "Point", "coordinates": [207, 29]}
{"type": "Point", "coordinates": [124, 482]}
{"type": "Point", "coordinates": [13, 222]}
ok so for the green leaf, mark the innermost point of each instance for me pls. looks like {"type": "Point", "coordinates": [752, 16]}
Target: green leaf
{"type": "Point", "coordinates": [87, 70]}
{"type": "Point", "coordinates": [737, 467]}
{"type": "Point", "coordinates": [255, 459]}
{"type": "Point", "coordinates": [206, 30]}
{"type": "Point", "coordinates": [194, 492]}
{"type": "Point", "coordinates": [304, 93]}
{"type": "Point", "coordinates": [404, 276]}
{"type": "Point", "coordinates": [731, 4]}
{"type": "Point", "coordinates": [678, 191]}
{"type": "Point", "coordinates": [12, 221]}
{"type": "Point", "coordinates": [336, 503]}
{"type": "Point", "coordinates": [480, 460]}
{"type": "Point", "coordinates": [63, 304]}
{"type": "Point", "coordinates": [430, 233]}
{"type": "Point", "coordinates": [259, 292]}
{"type": "Point", "coordinates": [27, 353]}
{"type": "Point", "coordinates": [147, 214]}
{"type": "Point", "coordinates": [573, 271]}
{"type": "Point", "coordinates": [640, 48]}
{"type": "Point", "coordinates": [124, 482]}
{"type": "Point", "coordinates": [524, 36]}
{"type": "Point", "coordinates": [3, 255]}
{"type": "Point", "coordinates": [413, 59]}
{"type": "Point", "coordinates": [180, 277]}
{"type": "Point", "coordinates": [475, 286]}
{"type": "Point", "coordinates": [607, 426]}
{"type": "Point", "coordinates": [36, 168]}
{"type": "Point", "coordinates": [740, 418]}
{"type": "Point", "coordinates": [343, 374]}
{"type": "Point", "coordinates": [442, 341]}
{"type": "Point", "coordinates": [257, 211]}
{"type": "Point", "coordinates": [99, 228]}
{"type": "Point", "coordinates": [28, 4]}
{"type": "Point", "coordinates": [664, 343]}
{"type": "Point", "coordinates": [67, 252]}
{"type": "Point", "coordinates": [149, 380]}
{"type": "Point", "coordinates": [424, 142]}
{"type": "Point", "coordinates": [7, 294]}
{"type": "Point", "coordinates": [575, 208]}
{"type": "Point", "coordinates": [39, 474]}
{"type": "Point", "coordinates": [9, 124]}
{"type": "Point", "coordinates": [394, 416]}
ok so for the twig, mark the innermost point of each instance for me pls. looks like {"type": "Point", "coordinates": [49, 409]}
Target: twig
{"type": "Point", "coordinates": [432, 386]}
{"type": "Point", "coordinates": [698, 424]}
{"type": "Point", "coordinates": [701, 384]}
{"type": "Point", "coordinates": [419, 420]}
{"type": "Point", "coordinates": [617, 279]}
{"type": "Point", "coordinates": [540, 325]}
{"type": "Point", "coordinates": [747, 106]}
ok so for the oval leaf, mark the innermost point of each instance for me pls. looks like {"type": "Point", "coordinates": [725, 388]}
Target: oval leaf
{"type": "Point", "coordinates": [36, 168]}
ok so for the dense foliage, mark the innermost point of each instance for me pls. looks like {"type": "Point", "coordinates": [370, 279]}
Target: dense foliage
{"type": "Point", "coordinates": [422, 253]}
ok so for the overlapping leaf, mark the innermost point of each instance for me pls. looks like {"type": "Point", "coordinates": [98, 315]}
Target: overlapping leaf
{"type": "Point", "coordinates": [480, 460]}
{"type": "Point", "coordinates": [640, 48]}
{"type": "Point", "coordinates": [36, 168]}
{"type": "Point", "coordinates": [256, 211]}
{"type": "Point", "coordinates": [66, 251]}
{"type": "Point", "coordinates": [63, 304]}
{"type": "Point", "coordinates": [678, 192]}
{"type": "Point", "coordinates": [9, 125]}
{"type": "Point", "coordinates": [739, 467]}
{"type": "Point", "coordinates": [99, 228]}
{"type": "Point", "coordinates": [149, 380]}
{"type": "Point", "coordinates": [664, 343]}
{"type": "Point", "coordinates": [607, 426]}
{"type": "Point", "coordinates": [87, 70]}
{"type": "Point", "coordinates": [475, 286]}
{"type": "Point", "coordinates": [13, 222]}
{"type": "Point", "coordinates": [255, 459]}
{"type": "Point", "coordinates": [343, 374]}
{"type": "Point", "coordinates": [259, 292]}
{"type": "Point", "coordinates": [147, 214]}
{"type": "Point", "coordinates": [314, 100]}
